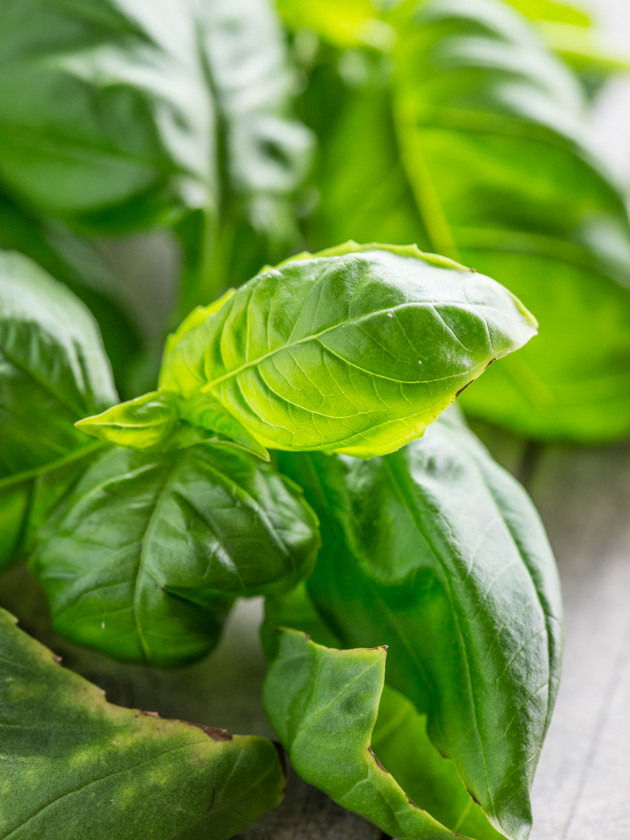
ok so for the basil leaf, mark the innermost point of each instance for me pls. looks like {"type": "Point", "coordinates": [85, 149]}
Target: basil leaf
{"type": "Point", "coordinates": [354, 350]}
{"type": "Point", "coordinates": [91, 767]}
{"type": "Point", "coordinates": [438, 553]}
{"type": "Point", "coordinates": [399, 738]}
{"type": "Point", "coordinates": [52, 369]}
{"type": "Point", "coordinates": [323, 703]}
{"type": "Point", "coordinates": [480, 132]}
{"type": "Point", "coordinates": [121, 116]}
{"type": "Point", "coordinates": [345, 23]}
{"type": "Point", "coordinates": [193, 530]}
{"type": "Point", "coordinates": [474, 85]}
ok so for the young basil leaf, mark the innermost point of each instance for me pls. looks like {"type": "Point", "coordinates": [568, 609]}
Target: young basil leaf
{"type": "Point", "coordinates": [149, 551]}
{"type": "Point", "coordinates": [94, 768]}
{"type": "Point", "coordinates": [438, 553]}
{"type": "Point", "coordinates": [52, 369]}
{"type": "Point", "coordinates": [356, 349]}
{"type": "Point", "coordinates": [323, 703]}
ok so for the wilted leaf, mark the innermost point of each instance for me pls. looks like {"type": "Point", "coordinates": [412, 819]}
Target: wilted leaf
{"type": "Point", "coordinates": [75, 765]}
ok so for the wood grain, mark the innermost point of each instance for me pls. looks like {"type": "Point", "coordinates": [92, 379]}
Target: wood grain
{"type": "Point", "coordinates": [582, 790]}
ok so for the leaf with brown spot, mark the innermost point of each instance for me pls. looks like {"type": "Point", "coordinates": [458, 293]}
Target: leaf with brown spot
{"type": "Point", "coordinates": [97, 770]}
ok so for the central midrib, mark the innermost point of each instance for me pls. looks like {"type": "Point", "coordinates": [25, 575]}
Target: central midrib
{"type": "Point", "coordinates": [316, 336]}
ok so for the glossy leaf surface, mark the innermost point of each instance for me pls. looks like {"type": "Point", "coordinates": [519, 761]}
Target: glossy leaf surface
{"type": "Point", "coordinates": [354, 350]}
{"type": "Point", "coordinates": [399, 738]}
{"type": "Point", "coordinates": [147, 553]}
{"type": "Point", "coordinates": [52, 369]}
{"type": "Point", "coordinates": [324, 704]}
{"type": "Point", "coordinates": [436, 552]}
{"type": "Point", "coordinates": [98, 770]}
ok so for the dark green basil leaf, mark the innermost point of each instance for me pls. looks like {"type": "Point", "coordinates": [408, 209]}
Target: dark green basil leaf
{"type": "Point", "coordinates": [52, 369]}
{"type": "Point", "coordinates": [148, 552]}
{"type": "Point", "coordinates": [436, 552]}
{"type": "Point", "coordinates": [324, 703]}
{"type": "Point", "coordinates": [399, 738]}
{"type": "Point", "coordinates": [119, 116]}
{"type": "Point", "coordinates": [355, 350]}
{"type": "Point", "coordinates": [91, 768]}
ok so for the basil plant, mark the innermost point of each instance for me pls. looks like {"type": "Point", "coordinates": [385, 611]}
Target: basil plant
{"type": "Point", "coordinates": [288, 430]}
{"type": "Point", "coordinates": [296, 448]}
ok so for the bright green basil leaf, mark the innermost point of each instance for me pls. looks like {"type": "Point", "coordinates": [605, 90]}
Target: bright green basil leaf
{"type": "Point", "coordinates": [98, 770]}
{"type": "Point", "coordinates": [400, 737]}
{"type": "Point", "coordinates": [323, 703]}
{"type": "Point", "coordinates": [52, 369]}
{"type": "Point", "coordinates": [356, 349]}
{"type": "Point", "coordinates": [552, 11]}
{"type": "Point", "coordinates": [344, 23]}
{"type": "Point", "coordinates": [438, 553]}
{"type": "Point", "coordinates": [154, 422]}
{"type": "Point", "coordinates": [571, 33]}
{"type": "Point", "coordinates": [148, 552]}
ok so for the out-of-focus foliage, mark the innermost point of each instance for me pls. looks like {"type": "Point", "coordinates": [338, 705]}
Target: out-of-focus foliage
{"type": "Point", "coordinates": [52, 367]}
{"type": "Point", "coordinates": [479, 149]}
{"type": "Point", "coordinates": [118, 117]}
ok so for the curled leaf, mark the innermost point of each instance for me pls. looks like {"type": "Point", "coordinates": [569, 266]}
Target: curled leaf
{"type": "Point", "coordinates": [324, 705]}
{"type": "Point", "coordinates": [438, 553]}
{"type": "Point", "coordinates": [353, 350]}
{"type": "Point", "coordinates": [92, 768]}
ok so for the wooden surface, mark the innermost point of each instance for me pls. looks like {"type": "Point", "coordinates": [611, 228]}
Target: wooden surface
{"type": "Point", "coordinates": [582, 790]}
